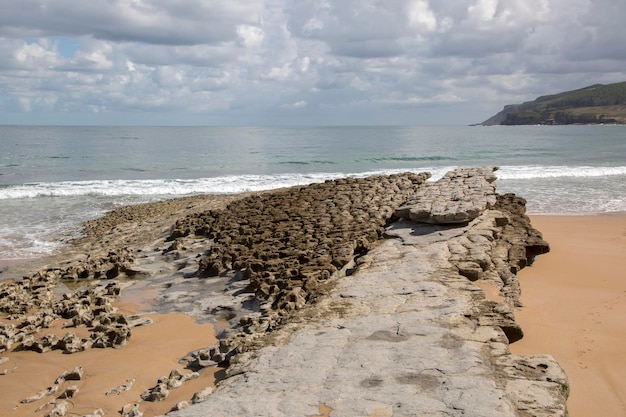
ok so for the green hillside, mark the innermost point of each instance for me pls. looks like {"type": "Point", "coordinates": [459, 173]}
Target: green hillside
{"type": "Point", "coordinates": [590, 105]}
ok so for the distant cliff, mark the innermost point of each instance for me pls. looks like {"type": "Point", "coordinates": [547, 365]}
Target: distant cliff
{"type": "Point", "coordinates": [595, 104]}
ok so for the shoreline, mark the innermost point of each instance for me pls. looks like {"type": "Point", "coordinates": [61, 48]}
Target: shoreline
{"type": "Point", "coordinates": [144, 359]}
{"type": "Point", "coordinates": [9, 263]}
{"type": "Point", "coordinates": [574, 299]}
{"type": "Point", "coordinates": [164, 219]}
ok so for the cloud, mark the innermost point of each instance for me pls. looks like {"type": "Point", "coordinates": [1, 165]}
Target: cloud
{"type": "Point", "coordinates": [348, 61]}
{"type": "Point", "coordinates": [159, 22]}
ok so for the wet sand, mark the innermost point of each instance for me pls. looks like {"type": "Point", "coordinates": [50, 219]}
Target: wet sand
{"type": "Point", "coordinates": [152, 352]}
{"type": "Point", "coordinates": [574, 307]}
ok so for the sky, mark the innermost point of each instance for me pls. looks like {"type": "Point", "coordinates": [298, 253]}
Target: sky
{"type": "Point", "coordinates": [298, 62]}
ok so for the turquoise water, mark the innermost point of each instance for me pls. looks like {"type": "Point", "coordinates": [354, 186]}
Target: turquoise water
{"type": "Point", "coordinates": [53, 178]}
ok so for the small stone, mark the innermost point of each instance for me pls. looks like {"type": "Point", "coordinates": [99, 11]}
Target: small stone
{"type": "Point", "coordinates": [75, 374]}
{"type": "Point", "coordinates": [180, 406]}
{"type": "Point", "coordinates": [131, 410]}
{"type": "Point", "coordinates": [156, 393]}
{"type": "Point", "coordinates": [202, 395]}
{"type": "Point", "coordinates": [60, 409]}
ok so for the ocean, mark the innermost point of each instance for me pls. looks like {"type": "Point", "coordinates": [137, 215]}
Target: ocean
{"type": "Point", "coordinates": [52, 178]}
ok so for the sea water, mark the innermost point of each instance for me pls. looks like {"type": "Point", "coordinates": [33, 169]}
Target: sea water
{"type": "Point", "coordinates": [53, 178]}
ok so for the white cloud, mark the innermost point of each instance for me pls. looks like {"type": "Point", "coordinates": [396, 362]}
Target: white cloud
{"type": "Point", "coordinates": [358, 58]}
{"type": "Point", "coordinates": [421, 17]}
{"type": "Point", "coordinates": [251, 36]}
{"type": "Point", "coordinates": [296, 105]}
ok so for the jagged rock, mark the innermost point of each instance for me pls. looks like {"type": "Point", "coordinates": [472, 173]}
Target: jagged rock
{"type": "Point", "coordinates": [157, 393]}
{"type": "Point", "coordinates": [117, 262]}
{"type": "Point", "coordinates": [120, 388]}
{"type": "Point", "coordinates": [201, 395]}
{"type": "Point", "coordinates": [43, 344]}
{"type": "Point", "coordinates": [131, 410]}
{"type": "Point", "coordinates": [458, 197]}
{"type": "Point", "coordinates": [290, 241]}
{"type": "Point", "coordinates": [112, 330]}
{"type": "Point", "coordinates": [204, 358]}
{"type": "Point", "coordinates": [180, 406]}
{"type": "Point", "coordinates": [75, 374]}
{"type": "Point", "coordinates": [8, 330]}
{"type": "Point", "coordinates": [161, 390]}
{"type": "Point", "coordinates": [59, 410]}
{"type": "Point", "coordinates": [535, 384]}
{"type": "Point", "coordinates": [48, 391]}
{"type": "Point", "coordinates": [69, 392]}
{"type": "Point", "coordinates": [176, 379]}
{"type": "Point", "coordinates": [70, 343]}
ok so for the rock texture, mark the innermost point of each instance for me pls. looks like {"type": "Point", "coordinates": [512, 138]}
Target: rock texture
{"type": "Point", "coordinates": [458, 197]}
{"type": "Point", "coordinates": [288, 244]}
{"type": "Point", "coordinates": [350, 297]}
{"type": "Point", "coordinates": [408, 333]}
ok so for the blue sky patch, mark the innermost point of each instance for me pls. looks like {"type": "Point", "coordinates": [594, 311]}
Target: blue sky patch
{"type": "Point", "coordinates": [67, 46]}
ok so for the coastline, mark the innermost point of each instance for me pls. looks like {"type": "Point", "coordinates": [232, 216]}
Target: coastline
{"type": "Point", "coordinates": [574, 301]}
{"type": "Point", "coordinates": [145, 358]}
{"type": "Point", "coordinates": [162, 220]}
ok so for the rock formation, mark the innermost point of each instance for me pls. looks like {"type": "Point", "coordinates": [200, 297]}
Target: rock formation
{"type": "Point", "coordinates": [355, 297]}
{"type": "Point", "coordinates": [406, 332]}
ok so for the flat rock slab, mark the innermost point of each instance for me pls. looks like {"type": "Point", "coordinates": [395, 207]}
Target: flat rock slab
{"type": "Point", "coordinates": [458, 197]}
{"type": "Point", "coordinates": [397, 338]}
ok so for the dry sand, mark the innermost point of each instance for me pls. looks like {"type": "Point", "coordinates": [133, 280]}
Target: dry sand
{"type": "Point", "coordinates": [574, 308]}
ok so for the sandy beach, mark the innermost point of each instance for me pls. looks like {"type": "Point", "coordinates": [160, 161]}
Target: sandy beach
{"type": "Point", "coordinates": [152, 353]}
{"type": "Point", "coordinates": [574, 307]}
{"type": "Point", "coordinates": [574, 300]}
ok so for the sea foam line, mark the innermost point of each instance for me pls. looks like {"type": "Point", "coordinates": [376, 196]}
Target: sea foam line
{"type": "Point", "coordinates": [244, 183]}
{"type": "Point", "coordinates": [537, 171]}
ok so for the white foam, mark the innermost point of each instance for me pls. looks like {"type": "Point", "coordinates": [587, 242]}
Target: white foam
{"type": "Point", "coordinates": [242, 183]}
{"type": "Point", "coordinates": [164, 187]}
{"type": "Point", "coordinates": [536, 172]}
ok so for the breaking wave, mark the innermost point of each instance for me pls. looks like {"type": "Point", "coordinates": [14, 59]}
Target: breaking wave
{"type": "Point", "coordinates": [244, 183]}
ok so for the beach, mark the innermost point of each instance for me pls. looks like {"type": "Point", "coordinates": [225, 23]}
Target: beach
{"type": "Point", "coordinates": [574, 303]}
{"type": "Point", "coordinates": [565, 314]}
{"type": "Point", "coordinates": [114, 378]}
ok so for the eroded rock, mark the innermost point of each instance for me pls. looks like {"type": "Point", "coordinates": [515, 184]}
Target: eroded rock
{"type": "Point", "coordinates": [458, 197]}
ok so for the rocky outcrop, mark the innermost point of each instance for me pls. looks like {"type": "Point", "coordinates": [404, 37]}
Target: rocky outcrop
{"type": "Point", "coordinates": [162, 389]}
{"type": "Point", "coordinates": [59, 406]}
{"type": "Point", "coordinates": [33, 307]}
{"type": "Point", "coordinates": [289, 243]}
{"type": "Point", "coordinates": [441, 346]}
{"type": "Point", "coordinates": [355, 297]}
{"type": "Point", "coordinates": [406, 334]}
{"type": "Point", "coordinates": [459, 197]}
